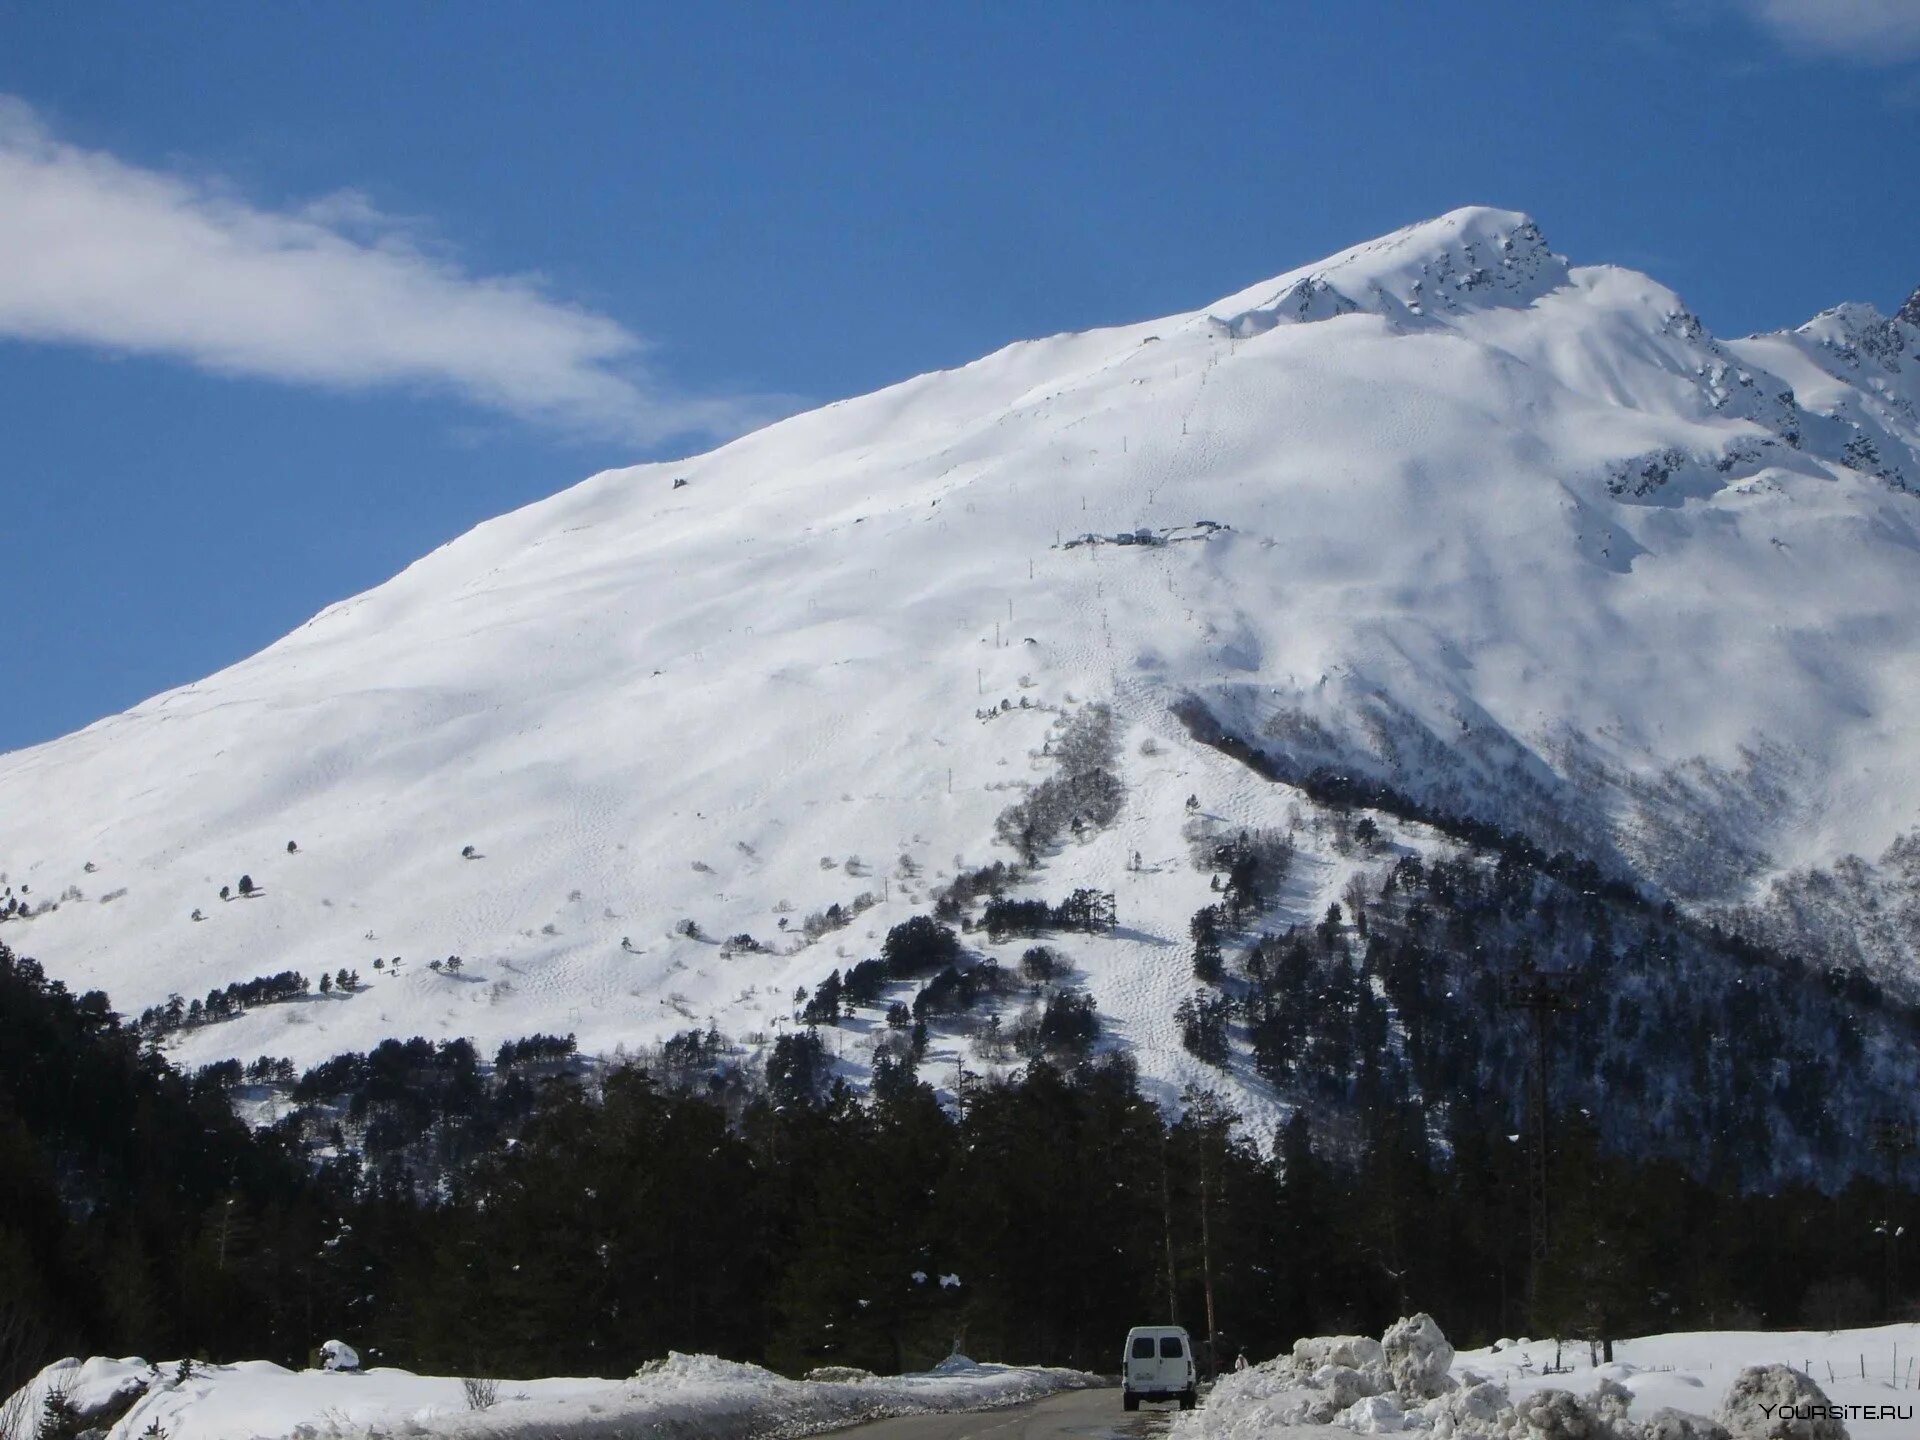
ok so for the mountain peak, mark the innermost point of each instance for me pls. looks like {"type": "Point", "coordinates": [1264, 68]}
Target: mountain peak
{"type": "Point", "coordinates": [1910, 312]}
{"type": "Point", "coordinates": [1485, 545]}
{"type": "Point", "coordinates": [1473, 258]}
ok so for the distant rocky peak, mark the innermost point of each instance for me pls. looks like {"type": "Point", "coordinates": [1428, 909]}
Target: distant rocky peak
{"type": "Point", "coordinates": [1855, 333]}
{"type": "Point", "coordinates": [1910, 312]}
{"type": "Point", "coordinates": [1475, 258]}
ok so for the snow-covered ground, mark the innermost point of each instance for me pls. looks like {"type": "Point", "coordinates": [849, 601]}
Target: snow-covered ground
{"type": "Point", "coordinates": [1523, 537]}
{"type": "Point", "coordinates": [1411, 1381]}
{"type": "Point", "coordinates": [1691, 1370]}
{"type": "Point", "coordinates": [688, 1397]}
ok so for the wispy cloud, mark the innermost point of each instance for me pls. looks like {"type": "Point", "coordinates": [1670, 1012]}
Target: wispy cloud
{"type": "Point", "coordinates": [95, 251]}
{"type": "Point", "coordinates": [1875, 32]}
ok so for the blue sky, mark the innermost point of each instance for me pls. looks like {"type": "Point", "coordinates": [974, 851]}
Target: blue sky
{"type": "Point", "coordinates": [290, 295]}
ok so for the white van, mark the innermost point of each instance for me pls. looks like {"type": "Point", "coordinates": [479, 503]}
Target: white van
{"type": "Point", "coordinates": [1158, 1365]}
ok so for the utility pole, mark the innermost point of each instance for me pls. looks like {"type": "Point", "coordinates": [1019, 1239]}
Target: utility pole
{"type": "Point", "coordinates": [1206, 1260]}
{"type": "Point", "coordinates": [1893, 1139]}
{"type": "Point", "coordinates": [1166, 1221]}
{"type": "Point", "coordinates": [1540, 994]}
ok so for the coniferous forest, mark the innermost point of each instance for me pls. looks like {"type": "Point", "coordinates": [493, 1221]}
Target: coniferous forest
{"type": "Point", "coordinates": [539, 1215]}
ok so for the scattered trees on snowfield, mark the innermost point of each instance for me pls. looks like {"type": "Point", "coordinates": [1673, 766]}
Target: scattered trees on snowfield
{"type": "Point", "coordinates": [954, 990]}
{"type": "Point", "coordinates": [221, 1004]}
{"type": "Point", "coordinates": [1204, 1027]}
{"type": "Point", "coordinates": [917, 946]}
{"type": "Point", "coordinates": [1063, 1028]}
{"type": "Point", "coordinates": [535, 1050]}
{"type": "Point", "coordinates": [825, 922]}
{"type": "Point", "coordinates": [1084, 795]}
{"type": "Point", "coordinates": [823, 1006]}
{"type": "Point", "coordinates": [1208, 964]}
{"type": "Point", "coordinates": [1005, 916]}
{"type": "Point", "coordinates": [1040, 965]}
{"type": "Point", "coordinates": [956, 898]}
{"type": "Point", "coordinates": [1085, 909]}
{"type": "Point", "coordinates": [866, 982]}
{"type": "Point", "coordinates": [913, 948]}
{"type": "Point", "coordinates": [1088, 800]}
{"type": "Point", "coordinates": [1089, 910]}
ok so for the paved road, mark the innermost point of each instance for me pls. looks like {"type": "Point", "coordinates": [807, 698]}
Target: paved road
{"type": "Point", "coordinates": [1070, 1415]}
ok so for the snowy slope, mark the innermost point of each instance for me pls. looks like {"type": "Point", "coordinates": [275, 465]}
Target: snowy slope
{"type": "Point", "coordinates": [1524, 539]}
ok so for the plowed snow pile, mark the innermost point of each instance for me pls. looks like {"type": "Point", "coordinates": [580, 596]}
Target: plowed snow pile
{"type": "Point", "coordinates": [1716, 1385]}
{"type": "Point", "coordinates": [683, 1397]}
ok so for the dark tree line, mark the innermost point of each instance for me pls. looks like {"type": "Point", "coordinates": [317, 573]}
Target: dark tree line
{"type": "Point", "coordinates": [791, 1222]}
{"type": "Point", "coordinates": [225, 1002]}
{"type": "Point", "coordinates": [1085, 909]}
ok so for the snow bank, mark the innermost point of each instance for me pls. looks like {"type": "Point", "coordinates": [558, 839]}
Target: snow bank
{"type": "Point", "coordinates": [1657, 1388]}
{"type": "Point", "coordinates": [1873, 1372]}
{"type": "Point", "coordinates": [1356, 1352]}
{"type": "Point", "coordinates": [683, 1397]}
{"type": "Point", "coordinates": [1771, 1402]}
{"type": "Point", "coordinates": [1417, 1357]}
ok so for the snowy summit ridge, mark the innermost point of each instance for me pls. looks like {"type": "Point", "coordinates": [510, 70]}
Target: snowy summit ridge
{"type": "Point", "coordinates": [1523, 540]}
{"type": "Point", "coordinates": [1468, 259]}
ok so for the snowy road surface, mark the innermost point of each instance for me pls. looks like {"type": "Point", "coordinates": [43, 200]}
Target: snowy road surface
{"type": "Point", "coordinates": [1070, 1415]}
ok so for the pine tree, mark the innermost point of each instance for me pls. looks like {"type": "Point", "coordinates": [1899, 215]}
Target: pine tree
{"type": "Point", "coordinates": [1208, 965]}
{"type": "Point", "coordinates": [59, 1418]}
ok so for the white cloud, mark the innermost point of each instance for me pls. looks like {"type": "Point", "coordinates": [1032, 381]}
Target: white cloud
{"type": "Point", "coordinates": [94, 251]}
{"type": "Point", "coordinates": [1875, 31]}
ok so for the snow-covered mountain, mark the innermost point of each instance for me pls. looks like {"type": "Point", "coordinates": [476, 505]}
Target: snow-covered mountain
{"type": "Point", "coordinates": [1523, 540]}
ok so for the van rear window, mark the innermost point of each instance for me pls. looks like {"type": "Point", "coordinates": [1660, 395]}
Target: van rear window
{"type": "Point", "coordinates": [1143, 1348]}
{"type": "Point", "coordinates": [1170, 1347]}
